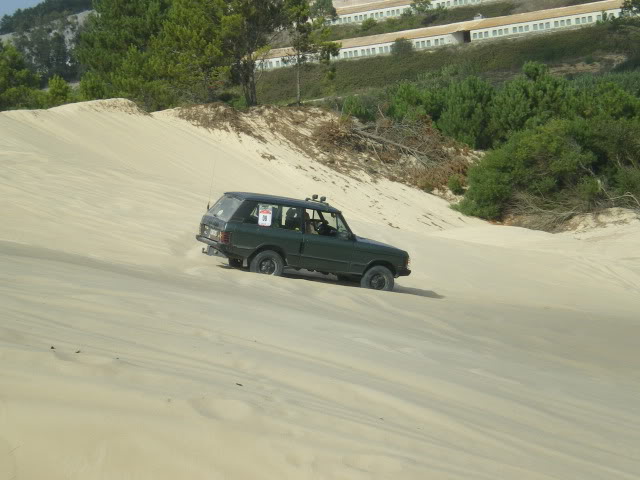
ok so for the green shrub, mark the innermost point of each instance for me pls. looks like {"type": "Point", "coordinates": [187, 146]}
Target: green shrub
{"type": "Point", "coordinates": [529, 100]}
{"type": "Point", "coordinates": [59, 91]}
{"type": "Point", "coordinates": [368, 24]}
{"type": "Point", "coordinates": [402, 47]}
{"type": "Point", "coordinates": [354, 106]}
{"type": "Point", "coordinates": [93, 87]}
{"type": "Point", "coordinates": [456, 184]}
{"type": "Point", "coordinates": [570, 166]}
{"type": "Point", "coordinates": [406, 101]}
{"type": "Point", "coordinates": [627, 182]}
{"type": "Point", "coordinates": [465, 114]}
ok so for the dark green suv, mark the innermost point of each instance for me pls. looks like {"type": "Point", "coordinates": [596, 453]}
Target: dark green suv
{"type": "Point", "coordinates": [272, 233]}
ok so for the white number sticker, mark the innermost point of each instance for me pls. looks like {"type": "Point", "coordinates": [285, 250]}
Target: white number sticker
{"type": "Point", "coordinates": [264, 216]}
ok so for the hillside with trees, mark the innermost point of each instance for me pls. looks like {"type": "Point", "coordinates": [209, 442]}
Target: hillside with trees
{"type": "Point", "coordinates": [45, 12]}
{"type": "Point", "coordinates": [556, 145]}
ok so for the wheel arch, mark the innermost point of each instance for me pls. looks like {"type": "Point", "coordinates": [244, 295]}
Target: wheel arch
{"type": "Point", "coordinates": [262, 248]}
{"type": "Point", "coordinates": [382, 263]}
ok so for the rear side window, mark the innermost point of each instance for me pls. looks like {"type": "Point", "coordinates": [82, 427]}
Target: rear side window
{"type": "Point", "coordinates": [275, 216]}
{"type": "Point", "coordinates": [225, 208]}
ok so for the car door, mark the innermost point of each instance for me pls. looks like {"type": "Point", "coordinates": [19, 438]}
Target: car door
{"type": "Point", "coordinates": [276, 226]}
{"type": "Point", "coordinates": [324, 253]}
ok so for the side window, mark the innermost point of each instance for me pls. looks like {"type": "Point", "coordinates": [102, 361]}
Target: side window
{"type": "Point", "coordinates": [252, 216]}
{"type": "Point", "coordinates": [263, 214]}
{"type": "Point", "coordinates": [290, 218]}
{"type": "Point", "coordinates": [275, 216]}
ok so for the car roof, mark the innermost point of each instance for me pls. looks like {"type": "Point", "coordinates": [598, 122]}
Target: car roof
{"type": "Point", "coordinates": [291, 202]}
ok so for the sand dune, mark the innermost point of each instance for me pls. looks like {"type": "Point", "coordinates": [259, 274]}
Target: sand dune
{"type": "Point", "coordinates": [126, 353]}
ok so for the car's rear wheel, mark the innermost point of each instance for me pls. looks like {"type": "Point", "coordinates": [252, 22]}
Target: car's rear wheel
{"type": "Point", "coordinates": [235, 262]}
{"type": "Point", "coordinates": [267, 262]}
{"type": "Point", "coordinates": [378, 278]}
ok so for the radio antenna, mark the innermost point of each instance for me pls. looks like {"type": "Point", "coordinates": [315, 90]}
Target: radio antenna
{"type": "Point", "coordinates": [213, 170]}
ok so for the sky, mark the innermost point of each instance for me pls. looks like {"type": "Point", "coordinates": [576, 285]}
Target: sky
{"type": "Point", "coordinates": [7, 7]}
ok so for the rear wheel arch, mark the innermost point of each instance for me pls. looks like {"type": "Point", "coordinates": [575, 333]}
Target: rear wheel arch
{"type": "Point", "coordinates": [262, 248]}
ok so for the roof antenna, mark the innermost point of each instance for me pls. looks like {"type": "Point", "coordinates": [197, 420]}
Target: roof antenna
{"type": "Point", "coordinates": [213, 170]}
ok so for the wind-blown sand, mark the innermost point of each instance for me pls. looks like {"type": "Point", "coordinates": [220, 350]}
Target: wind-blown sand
{"type": "Point", "coordinates": [127, 354]}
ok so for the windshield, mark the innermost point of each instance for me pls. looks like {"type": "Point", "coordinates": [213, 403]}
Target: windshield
{"type": "Point", "coordinates": [225, 208]}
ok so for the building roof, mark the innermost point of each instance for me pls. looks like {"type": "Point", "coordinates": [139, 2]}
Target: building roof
{"type": "Point", "coordinates": [545, 14]}
{"type": "Point", "coordinates": [383, 38]}
{"type": "Point", "coordinates": [291, 202]}
{"type": "Point", "coordinates": [366, 7]}
{"type": "Point", "coordinates": [467, 26]}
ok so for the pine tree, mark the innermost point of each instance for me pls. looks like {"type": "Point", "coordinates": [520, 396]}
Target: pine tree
{"type": "Point", "coordinates": [466, 116]}
{"type": "Point", "coordinates": [115, 50]}
{"type": "Point", "coordinates": [308, 39]}
{"type": "Point", "coordinates": [631, 7]}
{"type": "Point", "coordinates": [18, 85]}
{"type": "Point", "coordinates": [529, 100]}
{"type": "Point", "coordinates": [188, 52]}
{"type": "Point", "coordinates": [59, 91]}
{"type": "Point", "coordinates": [247, 27]}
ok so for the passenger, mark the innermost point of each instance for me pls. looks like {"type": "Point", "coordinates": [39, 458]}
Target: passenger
{"type": "Point", "coordinates": [309, 227]}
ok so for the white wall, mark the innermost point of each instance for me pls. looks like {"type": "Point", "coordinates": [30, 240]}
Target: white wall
{"type": "Point", "coordinates": [393, 12]}
{"type": "Point", "coordinates": [557, 23]}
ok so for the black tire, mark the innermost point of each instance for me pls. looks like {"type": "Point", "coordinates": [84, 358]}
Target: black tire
{"type": "Point", "coordinates": [378, 278]}
{"type": "Point", "coordinates": [235, 262]}
{"type": "Point", "coordinates": [267, 262]}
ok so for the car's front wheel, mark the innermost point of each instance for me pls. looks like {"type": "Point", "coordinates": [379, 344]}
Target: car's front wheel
{"type": "Point", "coordinates": [267, 262]}
{"type": "Point", "coordinates": [378, 278]}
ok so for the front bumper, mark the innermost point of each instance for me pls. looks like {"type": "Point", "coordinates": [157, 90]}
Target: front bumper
{"type": "Point", "coordinates": [213, 248]}
{"type": "Point", "coordinates": [403, 272]}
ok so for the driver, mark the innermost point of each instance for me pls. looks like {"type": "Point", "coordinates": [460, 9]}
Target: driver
{"type": "Point", "coordinates": [309, 227]}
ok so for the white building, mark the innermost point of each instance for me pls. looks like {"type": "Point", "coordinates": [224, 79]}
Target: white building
{"type": "Point", "coordinates": [383, 10]}
{"type": "Point", "coordinates": [469, 32]}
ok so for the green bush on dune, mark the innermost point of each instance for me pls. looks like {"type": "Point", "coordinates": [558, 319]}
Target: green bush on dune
{"type": "Point", "coordinates": [566, 166]}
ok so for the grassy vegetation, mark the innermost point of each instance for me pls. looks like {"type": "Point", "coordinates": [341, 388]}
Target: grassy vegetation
{"type": "Point", "coordinates": [490, 60]}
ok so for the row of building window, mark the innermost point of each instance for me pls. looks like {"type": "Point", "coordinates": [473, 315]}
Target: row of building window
{"type": "Point", "coordinates": [427, 43]}
{"type": "Point", "coordinates": [536, 27]}
{"type": "Point", "coordinates": [456, 3]}
{"type": "Point", "coordinates": [365, 52]}
{"type": "Point", "coordinates": [396, 12]}
{"type": "Point", "coordinates": [375, 15]}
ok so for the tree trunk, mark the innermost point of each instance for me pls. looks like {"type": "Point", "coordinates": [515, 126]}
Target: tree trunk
{"type": "Point", "coordinates": [249, 83]}
{"type": "Point", "coordinates": [298, 99]}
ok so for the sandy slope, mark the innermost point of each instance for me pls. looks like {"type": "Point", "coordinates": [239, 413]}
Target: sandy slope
{"type": "Point", "coordinates": [508, 354]}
